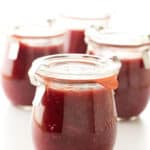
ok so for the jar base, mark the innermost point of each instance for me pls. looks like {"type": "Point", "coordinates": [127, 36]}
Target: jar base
{"type": "Point", "coordinates": [133, 118]}
{"type": "Point", "coordinates": [25, 107]}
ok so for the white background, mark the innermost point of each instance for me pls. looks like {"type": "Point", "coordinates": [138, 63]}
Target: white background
{"type": "Point", "coordinates": [15, 131]}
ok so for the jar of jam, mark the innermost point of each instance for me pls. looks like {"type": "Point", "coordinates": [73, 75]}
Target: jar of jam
{"type": "Point", "coordinates": [134, 77]}
{"type": "Point", "coordinates": [73, 108]}
{"type": "Point", "coordinates": [25, 44]}
{"type": "Point", "coordinates": [76, 25]}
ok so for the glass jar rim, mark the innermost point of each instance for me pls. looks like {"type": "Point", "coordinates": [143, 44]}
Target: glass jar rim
{"type": "Point", "coordinates": [85, 18]}
{"type": "Point", "coordinates": [73, 68]}
{"type": "Point", "coordinates": [37, 31]}
{"type": "Point", "coordinates": [103, 36]}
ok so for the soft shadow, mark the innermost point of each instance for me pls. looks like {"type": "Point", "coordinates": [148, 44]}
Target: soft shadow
{"type": "Point", "coordinates": [133, 135]}
{"type": "Point", "coordinates": [17, 129]}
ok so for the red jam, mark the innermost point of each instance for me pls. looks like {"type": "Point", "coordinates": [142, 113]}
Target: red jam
{"type": "Point", "coordinates": [74, 120]}
{"type": "Point", "coordinates": [75, 41]}
{"type": "Point", "coordinates": [69, 112]}
{"type": "Point", "coordinates": [133, 93]}
{"type": "Point", "coordinates": [15, 79]}
{"type": "Point", "coordinates": [76, 24]}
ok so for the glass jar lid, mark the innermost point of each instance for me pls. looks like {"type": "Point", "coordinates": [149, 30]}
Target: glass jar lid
{"type": "Point", "coordinates": [77, 20]}
{"type": "Point", "coordinates": [110, 37]}
{"type": "Point", "coordinates": [75, 10]}
{"type": "Point", "coordinates": [85, 16]}
{"type": "Point", "coordinates": [74, 68]}
{"type": "Point", "coordinates": [44, 30]}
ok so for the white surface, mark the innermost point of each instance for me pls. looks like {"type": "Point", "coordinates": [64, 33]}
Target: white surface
{"type": "Point", "coordinates": [15, 129]}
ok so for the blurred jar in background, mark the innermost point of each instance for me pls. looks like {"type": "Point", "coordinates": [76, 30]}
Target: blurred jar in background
{"type": "Point", "coordinates": [134, 78]}
{"type": "Point", "coordinates": [74, 106]}
{"type": "Point", "coordinates": [25, 44]}
{"type": "Point", "coordinates": [76, 24]}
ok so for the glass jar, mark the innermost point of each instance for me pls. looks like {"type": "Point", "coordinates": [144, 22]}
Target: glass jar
{"type": "Point", "coordinates": [73, 108]}
{"type": "Point", "coordinates": [134, 78]}
{"type": "Point", "coordinates": [76, 25]}
{"type": "Point", "coordinates": [25, 44]}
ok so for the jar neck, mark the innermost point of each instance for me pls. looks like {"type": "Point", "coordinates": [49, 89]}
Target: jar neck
{"type": "Point", "coordinates": [107, 37]}
{"type": "Point", "coordinates": [34, 37]}
{"type": "Point", "coordinates": [37, 41]}
{"type": "Point", "coordinates": [93, 43]}
{"type": "Point", "coordinates": [110, 82]}
{"type": "Point", "coordinates": [138, 52]}
{"type": "Point", "coordinates": [45, 30]}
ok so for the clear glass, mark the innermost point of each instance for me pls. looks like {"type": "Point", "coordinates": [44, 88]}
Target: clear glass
{"type": "Point", "coordinates": [133, 50]}
{"type": "Point", "coordinates": [76, 25]}
{"type": "Point", "coordinates": [25, 44]}
{"type": "Point", "coordinates": [72, 109]}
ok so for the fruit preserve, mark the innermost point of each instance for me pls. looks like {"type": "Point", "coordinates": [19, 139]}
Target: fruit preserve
{"type": "Point", "coordinates": [134, 78]}
{"type": "Point", "coordinates": [74, 37]}
{"type": "Point", "coordinates": [24, 45]}
{"type": "Point", "coordinates": [73, 108]}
